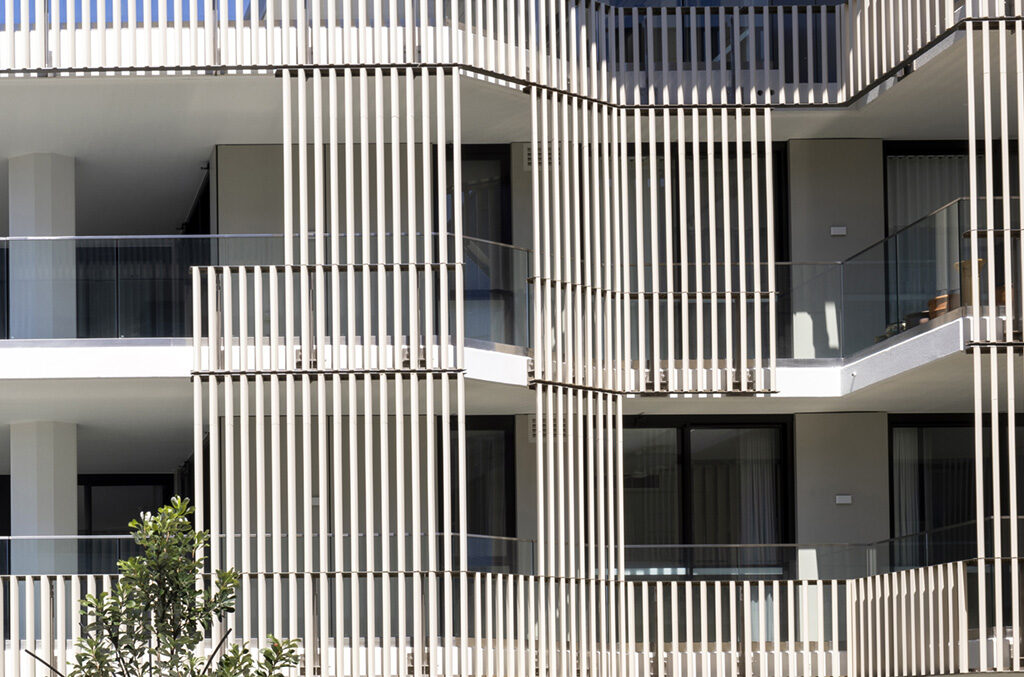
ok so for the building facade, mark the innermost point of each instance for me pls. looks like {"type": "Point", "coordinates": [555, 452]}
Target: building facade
{"type": "Point", "coordinates": [527, 336]}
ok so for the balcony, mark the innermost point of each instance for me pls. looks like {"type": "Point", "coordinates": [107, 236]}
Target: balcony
{"type": "Point", "coordinates": [141, 287]}
{"type": "Point", "coordinates": [817, 622]}
{"type": "Point", "coordinates": [822, 561]}
{"type": "Point", "coordinates": [112, 287]}
{"type": "Point", "coordinates": [99, 555]}
{"type": "Point", "coordinates": [915, 279]}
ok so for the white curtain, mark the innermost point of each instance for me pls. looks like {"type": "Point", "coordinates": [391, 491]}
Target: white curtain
{"type": "Point", "coordinates": [917, 185]}
{"type": "Point", "coordinates": [759, 486]}
{"type": "Point", "coordinates": [906, 481]}
{"type": "Point", "coordinates": [736, 483]}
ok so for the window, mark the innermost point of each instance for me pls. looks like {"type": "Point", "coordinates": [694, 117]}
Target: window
{"type": "Point", "coordinates": [107, 503]}
{"type": "Point", "coordinates": [490, 476]}
{"type": "Point", "coordinates": [495, 272]}
{"type": "Point", "coordinates": [707, 482]}
{"type": "Point", "coordinates": [652, 480]}
{"type": "Point", "coordinates": [932, 489]}
{"type": "Point", "coordinates": [490, 495]}
{"type": "Point", "coordinates": [736, 485]}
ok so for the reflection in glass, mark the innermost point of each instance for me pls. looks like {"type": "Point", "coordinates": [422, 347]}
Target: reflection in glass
{"type": "Point", "coordinates": [651, 481]}
{"type": "Point", "coordinates": [736, 479]}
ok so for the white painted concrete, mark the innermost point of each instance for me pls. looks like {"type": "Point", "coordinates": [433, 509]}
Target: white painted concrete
{"type": "Point", "coordinates": [43, 302]}
{"type": "Point", "coordinates": [44, 494]}
{"type": "Point", "coordinates": [100, 359]}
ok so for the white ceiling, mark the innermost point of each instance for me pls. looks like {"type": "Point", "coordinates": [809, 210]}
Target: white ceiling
{"type": "Point", "coordinates": [125, 425]}
{"type": "Point", "coordinates": [138, 142]}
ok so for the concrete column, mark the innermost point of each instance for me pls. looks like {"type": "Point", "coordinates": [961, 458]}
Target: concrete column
{"type": "Point", "coordinates": [842, 490]}
{"type": "Point", "coordinates": [44, 495]}
{"type": "Point", "coordinates": [43, 274]}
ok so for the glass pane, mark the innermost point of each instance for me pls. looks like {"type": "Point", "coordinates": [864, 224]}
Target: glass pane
{"type": "Point", "coordinates": [810, 306]}
{"type": "Point", "coordinates": [483, 200]}
{"type": "Point", "coordinates": [486, 194]}
{"type": "Point", "coordinates": [933, 496]}
{"type": "Point", "coordinates": [737, 485]}
{"type": "Point", "coordinates": [154, 287]}
{"type": "Point", "coordinates": [97, 288]}
{"type": "Point", "coordinates": [651, 480]}
{"type": "Point", "coordinates": [496, 293]}
{"type": "Point", "coordinates": [487, 483]}
{"type": "Point", "coordinates": [111, 508]}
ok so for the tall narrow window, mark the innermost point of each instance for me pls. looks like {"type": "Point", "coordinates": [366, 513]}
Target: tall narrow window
{"type": "Point", "coordinates": [651, 477]}
{"type": "Point", "coordinates": [490, 496]}
{"type": "Point", "coordinates": [933, 499]}
{"type": "Point", "coordinates": [490, 506]}
{"type": "Point", "coordinates": [495, 272]}
{"type": "Point", "coordinates": [106, 504]}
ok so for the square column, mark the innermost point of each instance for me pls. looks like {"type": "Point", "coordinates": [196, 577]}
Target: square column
{"type": "Point", "coordinates": [44, 496]}
{"type": "Point", "coordinates": [43, 298]}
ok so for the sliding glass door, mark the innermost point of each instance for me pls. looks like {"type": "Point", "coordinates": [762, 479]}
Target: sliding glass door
{"type": "Point", "coordinates": [706, 497]}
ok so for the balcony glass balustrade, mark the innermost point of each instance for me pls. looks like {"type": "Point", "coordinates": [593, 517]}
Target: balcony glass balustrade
{"type": "Point", "coordinates": [491, 554]}
{"type": "Point", "coordinates": [113, 287]}
{"type": "Point", "coordinates": [913, 278]}
{"type": "Point", "coordinates": [141, 287]}
{"type": "Point", "coordinates": [41, 555]}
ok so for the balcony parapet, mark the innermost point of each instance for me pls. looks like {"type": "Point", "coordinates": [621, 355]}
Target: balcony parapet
{"type": "Point", "coordinates": [754, 53]}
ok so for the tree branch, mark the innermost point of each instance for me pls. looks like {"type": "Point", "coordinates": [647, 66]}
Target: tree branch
{"type": "Point", "coordinates": [52, 669]}
{"type": "Point", "coordinates": [216, 650]}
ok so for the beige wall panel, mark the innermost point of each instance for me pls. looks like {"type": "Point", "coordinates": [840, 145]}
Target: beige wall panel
{"type": "Point", "coordinates": [845, 453]}
{"type": "Point", "coordinates": [835, 182]}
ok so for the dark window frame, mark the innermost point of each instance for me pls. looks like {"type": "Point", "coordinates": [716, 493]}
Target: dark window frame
{"type": "Point", "coordinates": [684, 424]}
{"type": "Point", "coordinates": [958, 420]}
{"type": "Point", "coordinates": [502, 153]}
{"type": "Point", "coordinates": [487, 422]}
{"type": "Point", "coordinates": [88, 481]}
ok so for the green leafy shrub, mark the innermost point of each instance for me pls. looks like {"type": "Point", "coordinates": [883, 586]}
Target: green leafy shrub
{"type": "Point", "coordinates": [154, 621]}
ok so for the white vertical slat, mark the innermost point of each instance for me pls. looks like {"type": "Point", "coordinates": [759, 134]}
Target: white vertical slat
{"type": "Point", "coordinates": [755, 245]}
{"type": "Point", "coordinates": [691, 621]}
{"type": "Point", "coordinates": [698, 252]}
{"type": "Point", "coordinates": [976, 326]}
{"type": "Point", "coordinates": [741, 256]}
{"type": "Point", "coordinates": [904, 595]}
{"type": "Point", "coordinates": [1015, 619]}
